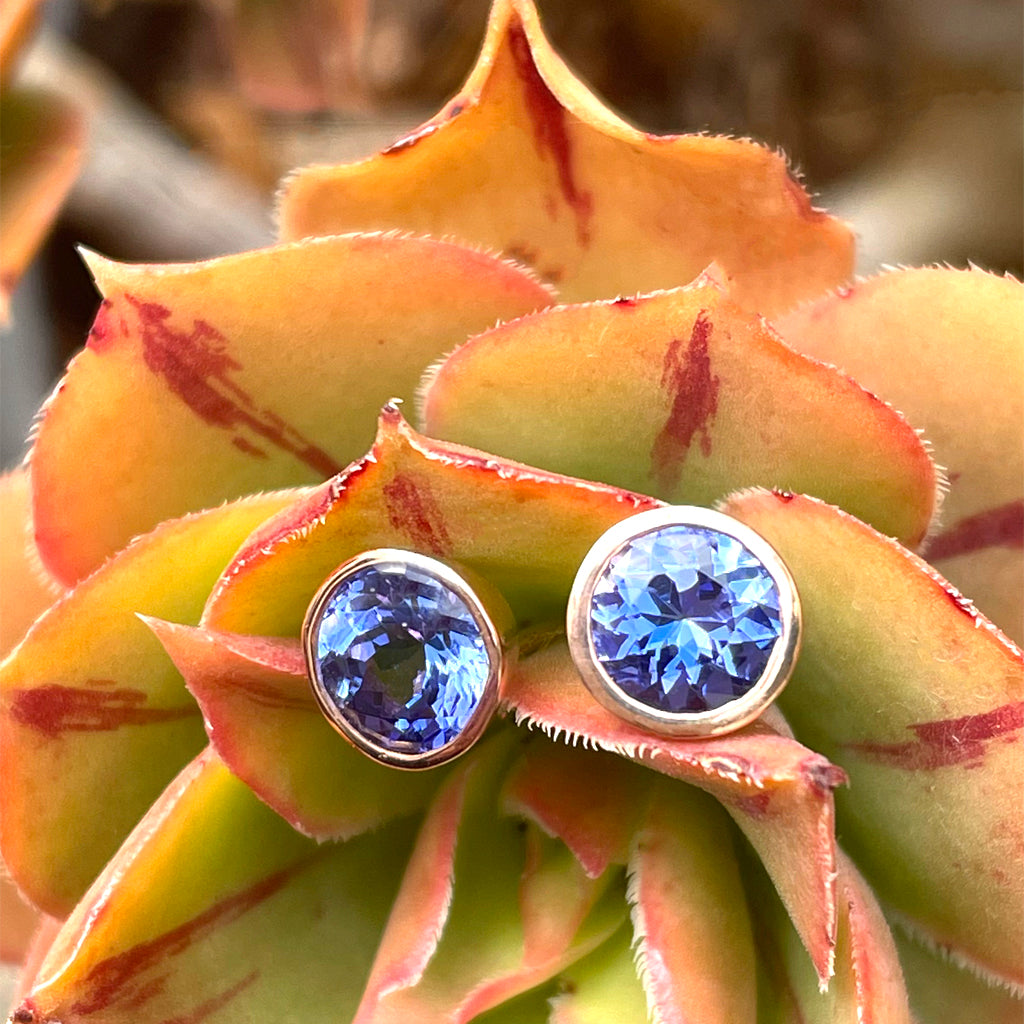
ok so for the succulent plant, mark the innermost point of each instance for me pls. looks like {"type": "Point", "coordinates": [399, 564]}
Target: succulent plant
{"type": "Point", "coordinates": [201, 843]}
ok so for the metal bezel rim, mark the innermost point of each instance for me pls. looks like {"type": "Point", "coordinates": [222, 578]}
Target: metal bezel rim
{"type": "Point", "coordinates": [719, 721]}
{"type": "Point", "coordinates": [450, 578]}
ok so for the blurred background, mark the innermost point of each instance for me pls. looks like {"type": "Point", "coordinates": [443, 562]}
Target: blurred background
{"type": "Point", "coordinates": [157, 129]}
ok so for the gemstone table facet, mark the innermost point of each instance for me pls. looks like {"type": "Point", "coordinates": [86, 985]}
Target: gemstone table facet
{"type": "Point", "coordinates": [684, 619]}
{"type": "Point", "coordinates": [401, 656]}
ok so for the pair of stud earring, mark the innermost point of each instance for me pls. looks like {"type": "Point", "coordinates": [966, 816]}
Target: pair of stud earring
{"type": "Point", "coordinates": [681, 620]}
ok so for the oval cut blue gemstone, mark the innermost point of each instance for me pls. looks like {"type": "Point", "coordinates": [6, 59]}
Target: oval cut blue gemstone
{"type": "Point", "coordinates": [684, 618]}
{"type": "Point", "coordinates": [402, 657]}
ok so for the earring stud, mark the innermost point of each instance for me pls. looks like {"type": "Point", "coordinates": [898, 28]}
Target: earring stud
{"type": "Point", "coordinates": [404, 658]}
{"type": "Point", "coordinates": [684, 621]}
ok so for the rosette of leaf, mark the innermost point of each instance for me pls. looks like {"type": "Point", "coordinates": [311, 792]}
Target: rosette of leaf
{"type": "Point", "coordinates": [208, 848]}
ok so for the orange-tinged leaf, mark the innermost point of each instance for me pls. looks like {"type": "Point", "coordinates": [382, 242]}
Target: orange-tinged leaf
{"type": "Point", "coordinates": [594, 205]}
{"type": "Point", "coordinates": [486, 911]}
{"type": "Point", "coordinates": [921, 701]}
{"type": "Point", "coordinates": [523, 530]}
{"type": "Point", "coordinates": [260, 370]}
{"type": "Point", "coordinates": [216, 907]}
{"type": "Point", "coordinates": [264, 723]}
{"type": "Point", "coordinates": [947, 349]}
{"type": "Point", "coordinates": [26, 591]}
{"type": "Point", "coordinates": [684, 395]}
{"type": "Point", "coordinates": [41, 139]}
{"type": "Point", "coordinates": [90, 705]}
{"type": "Point", "coordinates": [868, 984]}
{"type": "Point", "coordinates": [19, 921]}
{"type": "Point", "coordinates": [695, 947]}
{"type": "Point", "coordinates": [589, 799]}
{"type": "Point", "coordinates": [778, 792]}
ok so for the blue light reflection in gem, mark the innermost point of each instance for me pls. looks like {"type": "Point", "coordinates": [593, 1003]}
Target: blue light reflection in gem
{"type": "Point", "coordinates": [684, 619]}
{"type": "Point", "coordinates": [402, 657]}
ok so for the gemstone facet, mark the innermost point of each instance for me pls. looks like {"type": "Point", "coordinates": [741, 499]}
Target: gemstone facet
{"type": "Point", "coordinates": [401, 660]}
{"type": "Point", "coordinates": [684, 621]}
{"type": "Point", "coordinates": [684, 618]}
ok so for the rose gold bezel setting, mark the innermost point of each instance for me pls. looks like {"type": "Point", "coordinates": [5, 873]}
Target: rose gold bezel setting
{"type": "Point", "coordinates": [398, 559]}
{"type": "Point", "coordinates": [605, 690]}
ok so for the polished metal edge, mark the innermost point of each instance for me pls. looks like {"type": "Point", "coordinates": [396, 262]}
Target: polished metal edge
{"type": "Point", "coordinates": [606, 691]}
{"type": "Point", "coordinates": [493, 645]}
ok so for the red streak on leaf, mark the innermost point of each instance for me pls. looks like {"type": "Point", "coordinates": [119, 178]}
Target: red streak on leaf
{"type": "Point", "coordinates": [686, 376]}
{"type": "Point", "coordinates": [756, 806]}
{"type": "Point", "coordinates": [197, 367]}
{"type": "Point", "coordinates": [995, 527]}
{"type": "Point", "coordinates": [102, 334]}
{"type": "Point", "coordinates": [413, 510]}
{"type": "Point", "coordinates": [214, 1003]}
{"type": "Point", "coordinates": [53, 709]}
{"type": "Point", "coordinates": [115, 979]}
{"type": "Point", "coordinates": [550, 135]}
{"type": "Point", "coordinates": [248, 447]}
{"type": "Point", "coordinates": [947, 741]}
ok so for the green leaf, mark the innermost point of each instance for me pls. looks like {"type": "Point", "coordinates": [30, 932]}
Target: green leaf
{"type": "Point", "coordinates": [778, 792]}
{"type": "Point", "coordinates": [486, 910]}
{"type": "Point", "coordinates": [943, 993]}
{"type": "Point", "coordinates": [944, 346]}
{"type": "Point", "coordinates": [684, 395]}
{"type": "Point", "coordinates": [265, 725]}
{"type": "Point", "coordinates": [603, 988]}
{"type": "Point", "coordinates": [203, 382]}
{"type": "Point", "coordinates": [693, 938]}
{"type": "Point", "coordinates": [921, 701]}
{"type": "Point", "coordinates": [867, 987]}
{"type": "Point", "coordinates": [521, 529]}
{"type": "Point", "coordinates": [91, 706]}
{"type": "Point", "coordinates": [215, 905]}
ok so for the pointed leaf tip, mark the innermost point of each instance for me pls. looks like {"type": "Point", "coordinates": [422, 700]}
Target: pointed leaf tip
{"type": "Point", "coordinates": [690, 199]}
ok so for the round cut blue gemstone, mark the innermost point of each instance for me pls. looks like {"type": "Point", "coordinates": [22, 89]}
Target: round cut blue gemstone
{"type": "Point", "coordinates": [402, 657]}
{"type": "Point", "coordinates": [684, 618]}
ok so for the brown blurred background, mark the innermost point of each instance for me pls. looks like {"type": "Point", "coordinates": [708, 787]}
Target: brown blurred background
{"type": "Point", "coordinates": [905, 116]}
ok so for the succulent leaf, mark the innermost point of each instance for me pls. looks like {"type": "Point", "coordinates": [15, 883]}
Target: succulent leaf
{"type": "Point", "coordinates": [921, 701]}
{"type": "Point", "coordinates": [265, 725]}
{"type": "Point", "coordinates": [943, 993]}
{"type": "Point", "coordinates": [868, 985]}
{"type": "Point", "coordinates": [260, 362]}
{"type": "Point", "coordinates": [690, 397]}
{"type": "Point", "coordinates": [523, 530]}
{"type": "Point", "coordinates": [487, 910]}
{"type": "Point", "coordinates": [595, 206]}
{"type": "Point", "coordinates": [695, 947]}
{"type": "Point", "coordinates": [214, 904]}
{"type": "Point", "coordinates": [90, 694]}
{"type": "Point", "coordinates": [589, 799]}
{"type": "Point", "coordinates": [778, 792]}
{"type": "Point", "coordinates": [603, 987]}
{"type": "Point", "coordinates": [946, 348]}
{"type": "Point", "coordinates": [26, 590]}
